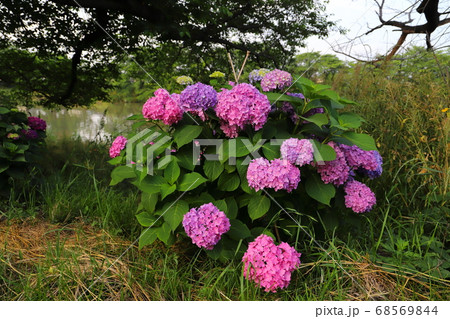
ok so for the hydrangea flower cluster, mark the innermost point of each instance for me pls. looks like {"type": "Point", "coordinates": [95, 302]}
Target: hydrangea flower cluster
{"type": "Point", "coordinates": [163, 106]}
{"type": "Point", "coordinates": [13, 136]}
{"type": "Point", "coordinates": [241, 105]}
{"type": "Point", "coordinates": [276, 79]}
{"type": "Point", "coordinates": [257, 75]}
{"type": "Point", "coordinates": [184, 80]}
{"type": "Point", "coordinates": [198, 97]}
{"type": "Point", "coordinates": [30, 134]}
{"type": "Point", "coordinates": [359, 197]}
{"type": "Point", "coordinates": [117, 145]}
{"type": "Point", "coordinates": [268, 265]}
{"type": "Point", "coordinates": [297, 152]}
{"type": "Point", "coordinates": [205, 225]}
{"type": "Point", "coordinates": [336, 171]}
{"type": "Point", "coordinates": [367, 163]}
{"type": "Point", "coordinates": [217, 75]}
{"type": "Point", "coordinates": [277, 174]}
{"type": "Point", "coordinates": [36, 123]}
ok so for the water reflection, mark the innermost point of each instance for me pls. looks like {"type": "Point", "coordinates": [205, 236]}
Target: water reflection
{"type": "Point", "coordinates": [101, 121]}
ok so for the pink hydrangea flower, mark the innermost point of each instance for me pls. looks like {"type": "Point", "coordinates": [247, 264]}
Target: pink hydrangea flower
{"type": "Point", "coordinates": [298, 152]}
{"type": "Point", "coordinates": [358, 158]}
{"type": "Point", "coordinates": [36, 123]}
{"type": "Point", "coordinates": [240, 106]}
{"type": "Point", "coordinates": [205, 225]}
{"type": "Point", "coordinates": [164, 107]}
{"type": "Point", "coordinates": [282, 175]}
{"type": "Point", "coordinates": [277, 174]}
{"type": "Point", "coordinates": [336, 171]}
{"type": "Point", "coordinates": [276, 79]}
{"type": "Point", "coordinates": [117, 145]}
{"type": "Point", "coordinates": [257, 172]}
{"type": "Point", "coordinates": [359, 197]}
{"type": "Point", "coordinates": [268, 265]}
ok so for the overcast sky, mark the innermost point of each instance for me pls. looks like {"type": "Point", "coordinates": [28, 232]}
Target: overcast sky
{"type": "Point", "coordinates": [358, 16]}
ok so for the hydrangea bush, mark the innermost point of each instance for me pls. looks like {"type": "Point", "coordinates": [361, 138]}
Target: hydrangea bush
{"type": "Point", "coordinates": [21, 140]}
{"type": "Point", "coordinates": [222, 164]}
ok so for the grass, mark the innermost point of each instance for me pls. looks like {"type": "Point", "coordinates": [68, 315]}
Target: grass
{"type": "Point", "coordinates": [63, 231]}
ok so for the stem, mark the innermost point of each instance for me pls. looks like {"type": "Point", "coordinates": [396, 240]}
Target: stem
{"type": "Point", "coordinates": [232, 67]}
{"type": "Point", "coordinates": [242, 67]}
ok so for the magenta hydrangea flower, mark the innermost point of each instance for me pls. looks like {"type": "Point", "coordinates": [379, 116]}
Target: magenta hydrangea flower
{"type": "Point", "coordinates": [164, 107]}
{"type": "Point", "coordinates": [336, 171]}
{"type": "Point", "coordinates": [288, 108]}
{"type": "Point", "coordinates": [282, 175]}
{"type": "Point", "coordinates": [276, 79]}
{"type": "Point", "coordinates": [297, 152]}
{"type": "Point", "coordinates": [377, 171]}
{"type": "Point", "coordinates": [117, 145]}
{"type": "Point", "coordinates": [257, 172]}
{"type": "Point", "coordinates": [359, 197]}
{"type": "Point", "coordinates": [240, 106]}
{"type": "Point", "coordinates": [36, 123]}
{"type": "Point", "coordinates": [30, 134]}
{"type": "Point", "coordinates": [205, 225]}
{"type": "Point", "coordinates": [198, 97]}
{"type": "Point", "coordinates": [268, 265]}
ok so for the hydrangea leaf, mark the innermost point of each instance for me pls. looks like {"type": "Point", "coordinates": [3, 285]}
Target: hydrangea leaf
{"type": "Point", "coordinates": [363, 141]}
{"type": "Point", "coordinates": [120, 173]}
{"type": "Point", "coordinates": [228, 182]}
{"type": "Point", "coordinates": [172, 172]}
{"type": "Point", "coordinates": [258, 206]}
{"type": "Point", "coordinates": [321, 192]}
{"type": "Point", "coordinates": [191, 181]}
{"type": "Point", "coordinates": [174, 212]}
{"type": "Point", "coordinates": [238, 230]}
{"type": "Point", "coordinates": [151, 184]}
{"type": "Point", "coordinates": [148, 236]}
{"type": "Point", "coordinates": [146, 219]}
{"type": "Point", "coordinates": [187, 134]}
{"type": "Point", "coordinates": [213, 169]}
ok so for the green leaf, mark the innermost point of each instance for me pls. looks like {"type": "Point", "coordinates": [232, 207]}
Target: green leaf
{"type": "Point", "coordinates": [350, 120]}
{"type": "Point", "coordinates": [319, 119]}
{"type": "Point", "coordinates": [228, 182]}
{"type": "Point", "coordinates": [271, 151]}
{"type": "Point", "coordinates": [191, 181]}
{"type": "Point", "coordinates": [173, 213]}
{"type": "Point", "coordinates": [172, 172]}
{"type": "Point", "coordinates": [323, 152]}
{"type": "Point", "coordinates": [20, 158]}
{"type": "Point", "coordinates": [213, 169]}
{"type": "Point", "coordinates": [164, 233]}
{"type": "Point", "coordinates": [151, 184]}
{"type": "Point", "coordinates": [136, 117]}
{"type": "Point", "coordinates": [148, 236]}
{"type": "Point", "coordinates": [115, 160]}
{"type": "Point", "coordinates": [261, 230]}
{"type": "Point", "coordinates": [149, 201]}
{"type": "Point", "coordinates": [3, 167]}
{"type": "Point", "coordinates": [232, 208]}
{"type": "Point", "coordinates": [241, 148]}
{"type": "Point", "coordinates": [363, 141]}
{"type": "Point", "coordinates": [321, 192]}
{"type": "Point", "coordinates": [166, 190]}
{"type": "Point", "coordinates": [120, 173]}
{"type": "Point", "coordinates": [199, 200]}
{"type": "Point", "coordinates": [238, 230]}
{"type": "Point", "coordinates": [4, 110]}
{"type": "Point", "coordinates": [221, 205]}
{"type": "Point", "coordinates": [186, 158]}
{"type": "Point", "coordinates": [187, 134]}
{"type": "Point", "coordinates": [258, 206]}
{"type": "Point", "coordinates": [146, 219]}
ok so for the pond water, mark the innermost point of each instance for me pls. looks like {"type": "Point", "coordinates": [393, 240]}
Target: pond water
{"type": "Point", "coordinates": [99, 122]}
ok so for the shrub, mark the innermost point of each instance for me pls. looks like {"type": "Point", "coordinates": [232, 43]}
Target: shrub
{"type": "Point", "coordinates": [21, 140]}
{"type": "Point", "coordinates": [265, 159]}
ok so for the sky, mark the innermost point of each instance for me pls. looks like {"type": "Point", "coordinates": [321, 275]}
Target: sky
{"type": "Point", "coordinates": [359, 16]}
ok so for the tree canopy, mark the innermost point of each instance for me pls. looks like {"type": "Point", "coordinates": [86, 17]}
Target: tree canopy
{"type": "Point", "coordinates": [68, 50]}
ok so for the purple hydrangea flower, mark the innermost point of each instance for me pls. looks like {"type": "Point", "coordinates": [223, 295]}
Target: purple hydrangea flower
{"type": "Point", "coordinates": [297, 152]}
{"type": "Point", "coordinates": [257, 75]}
{"type": "Point", "coordinates": [240, 106]}
{"type": "Point", "coordinates": [276, 79]}
{"type": "Point", "coordinates": [288, 108]}
{"type": "Point", "coordinates": [358, 158]}
{"type": "Point", "coordinates": [30, 134]}
{"type": "Point", "coordinates": [117, 145]}
{"type": "Point", "coordinates": [198, 97]}
{"type": "Point", "coordinates": [268, 265]}
{"type": "Point", "coordinates": [282, 175]}
{"type": "Point", "coordinates": [336, 171]}
{"type": "Point", "coordinates": [377, 171]}
{"type": "Point", "coordinates": [359, 197]}
{"type": "Point", "coordinates": [36, 123]}
{"type": "Point", "coordinates": [205, 225]}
